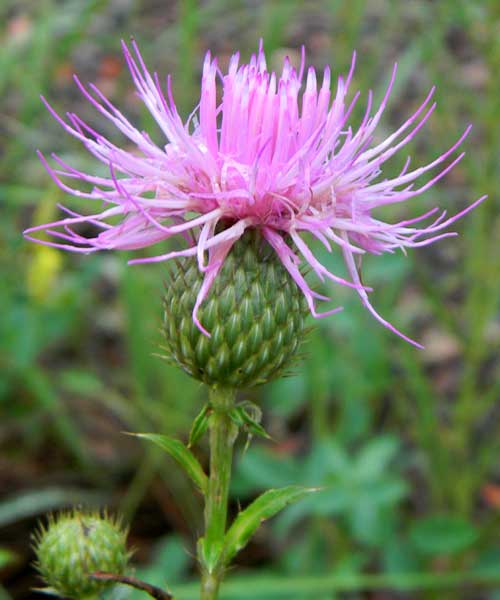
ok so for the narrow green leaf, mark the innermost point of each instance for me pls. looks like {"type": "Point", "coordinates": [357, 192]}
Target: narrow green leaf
{"type": "Point", "coordinates": [181, 454]}
{"type": "Point", "coordinates": [236, 415]}
{"type": "Point", "coordinates": [265, 506]}
{"type": "Point", "coordinates": [200, 425]}
{"type": "Point", "coordinates": [254, 427]}
{"type": "Point", "coordinates": [242, 417]}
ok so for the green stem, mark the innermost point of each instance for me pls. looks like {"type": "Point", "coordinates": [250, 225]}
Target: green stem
{"type": "Point", "coordinates": [223, 434]}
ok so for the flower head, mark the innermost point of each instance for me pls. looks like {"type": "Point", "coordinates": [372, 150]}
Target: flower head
{"type": "Point", "coordinates": [75, 544]}
{"type": "Point", "coordinates": [267, 156]}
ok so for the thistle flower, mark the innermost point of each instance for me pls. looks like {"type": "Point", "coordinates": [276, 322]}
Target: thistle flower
{"type": "Point", "coordinates": [266, 157]}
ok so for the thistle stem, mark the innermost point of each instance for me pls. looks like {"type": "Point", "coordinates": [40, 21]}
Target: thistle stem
{"type": "Point", "coordinates": [223, 434]}
{"type": "Point", "coordinates": [152, 590]}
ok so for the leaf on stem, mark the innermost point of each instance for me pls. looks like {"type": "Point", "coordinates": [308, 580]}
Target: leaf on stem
{"type": "Point", "coordinates": [248, 416]}
{"type": "Point", "coordinates": [209, 553]}
{"type": "Point", "coordinates": [200, 425]}
{"type": "Point", "coordinates": [265, 506]}
{"type": "Point", "coordinates": [184, 457]}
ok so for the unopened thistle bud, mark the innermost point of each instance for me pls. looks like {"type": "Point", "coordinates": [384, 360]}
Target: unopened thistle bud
{"type": "Point", "coordinates": [74, 545]}
{"type": "Point", "coordinates": [254, 315]}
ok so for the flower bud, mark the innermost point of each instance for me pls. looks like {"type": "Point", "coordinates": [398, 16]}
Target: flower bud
{"type": "Point", "coordinates": [255, 314]}
{"type": "Point", "coordinates": [74, 545]}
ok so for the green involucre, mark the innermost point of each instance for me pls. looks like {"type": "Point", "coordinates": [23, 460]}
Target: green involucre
{"type": "Point", "coordinates": [254, 312]}
{"type": "Point", "coordinates": [74, 545]}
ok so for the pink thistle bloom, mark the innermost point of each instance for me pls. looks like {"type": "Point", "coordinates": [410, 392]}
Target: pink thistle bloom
{"type": "Point", "coordinates": [268, 156]}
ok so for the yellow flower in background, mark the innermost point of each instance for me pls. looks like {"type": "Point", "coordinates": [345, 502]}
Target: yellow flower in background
{"type": "Point", "coordinates": [45, 263]}
{"type": "Point", "coordinates": [43, 272]}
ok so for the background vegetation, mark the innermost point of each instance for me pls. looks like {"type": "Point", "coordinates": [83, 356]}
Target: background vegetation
{"type": "Point", "coordinates": [406, 442]}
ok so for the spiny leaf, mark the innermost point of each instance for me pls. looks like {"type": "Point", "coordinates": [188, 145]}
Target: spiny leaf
{"type": "Point", "coordinates": [265, 506]}
{"type": "Point", "coordinates": [181, 454]}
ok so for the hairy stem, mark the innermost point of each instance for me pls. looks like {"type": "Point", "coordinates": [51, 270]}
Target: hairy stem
{"type": "Point", "coordinates": [223, 433]}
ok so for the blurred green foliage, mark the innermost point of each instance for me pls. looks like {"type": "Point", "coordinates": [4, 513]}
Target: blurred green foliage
{"type": "Point", "coordinates": [406, 443]}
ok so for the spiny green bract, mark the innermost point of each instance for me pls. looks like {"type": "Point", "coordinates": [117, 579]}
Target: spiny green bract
{"type": "Point", "coordinates": [254, 312]}
{"type": "Point", "coordinates": [75, 544]}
